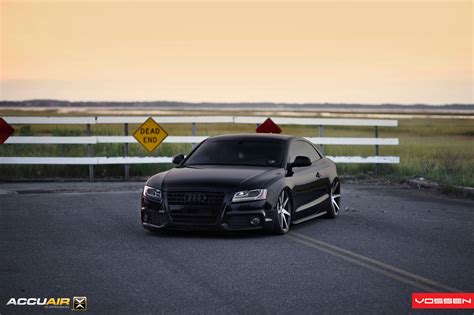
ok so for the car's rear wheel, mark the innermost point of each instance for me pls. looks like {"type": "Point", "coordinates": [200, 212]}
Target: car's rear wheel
{"type": "Point", "coordinates": [335, 199]}
{"type": "Point", "coordinates": [283, 207]}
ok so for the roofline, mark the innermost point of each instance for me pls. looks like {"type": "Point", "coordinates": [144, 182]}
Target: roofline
{"type": "Point", "coordinates": [254, 135]}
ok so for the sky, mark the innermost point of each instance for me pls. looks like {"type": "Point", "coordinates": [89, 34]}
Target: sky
{"type": "Point", "coordinates": [369, 52]}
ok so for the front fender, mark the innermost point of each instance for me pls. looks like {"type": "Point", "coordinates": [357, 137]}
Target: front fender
{"type": "Point", "coordinates": [276, 188]}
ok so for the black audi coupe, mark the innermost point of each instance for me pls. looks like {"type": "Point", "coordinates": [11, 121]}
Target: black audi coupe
{"type": "Point", "coordinates": [243, 182]}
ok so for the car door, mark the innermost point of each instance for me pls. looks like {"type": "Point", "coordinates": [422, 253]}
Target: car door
{"type": "Point", "coordinates": [308, 187]}
{"type": "Point", "coordinates": [323, 167]}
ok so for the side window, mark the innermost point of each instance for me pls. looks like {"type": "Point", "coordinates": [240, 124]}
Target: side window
{"type": "Point", "coordinates": [295, 149]}
{"type": "Point", "coordinates": [303, 148]}
{"type": "Point", "coordinates": [318, 153]}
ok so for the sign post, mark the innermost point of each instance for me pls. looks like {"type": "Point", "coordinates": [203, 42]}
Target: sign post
{"type": "Point", "coordinates": [150, 135]}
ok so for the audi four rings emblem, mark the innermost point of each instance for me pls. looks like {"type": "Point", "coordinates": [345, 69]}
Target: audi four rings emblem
{"type": "Point", "coordinates": [193, 197]}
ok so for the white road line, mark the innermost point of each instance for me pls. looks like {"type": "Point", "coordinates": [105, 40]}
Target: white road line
{"type": "Point", "coordinates": [374, 265]}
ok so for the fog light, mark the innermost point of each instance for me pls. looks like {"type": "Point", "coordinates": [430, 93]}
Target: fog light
{"type": "Point", "coordinates": [145, 217]}
{"type": "Point", "coordinates": [255, 221]}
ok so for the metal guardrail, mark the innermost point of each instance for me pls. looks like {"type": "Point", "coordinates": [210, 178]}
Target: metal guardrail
{"type": "Point", "coordinates": [90, 140]}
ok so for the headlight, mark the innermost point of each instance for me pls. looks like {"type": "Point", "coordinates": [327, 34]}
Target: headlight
{"type": "Point", "coordinates": [250, 195]}
{"type": "Point", "coordinates": [151, 192]}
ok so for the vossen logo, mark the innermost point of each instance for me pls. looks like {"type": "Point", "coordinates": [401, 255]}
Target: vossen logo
{"type": "Point", "coordinates": [442, 300]}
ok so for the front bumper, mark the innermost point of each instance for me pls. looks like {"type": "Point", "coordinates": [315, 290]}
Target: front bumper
{"type": "Point", "coordinates": [243, 216]}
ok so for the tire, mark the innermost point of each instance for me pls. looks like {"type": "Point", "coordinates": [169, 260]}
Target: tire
{"type": "Point", "coordinates": [284, 209]}
{"type": "Point", "coordinates": [335, 200]}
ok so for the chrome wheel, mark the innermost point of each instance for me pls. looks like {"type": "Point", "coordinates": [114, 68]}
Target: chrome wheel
{"type": "Point", "coordinates": [336, 196]}
{"type": "Point", "coordinates": [284, 211]}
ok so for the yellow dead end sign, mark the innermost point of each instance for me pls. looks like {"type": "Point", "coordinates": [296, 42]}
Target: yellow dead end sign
{"type": "Point", "coordinates": [150, 134]}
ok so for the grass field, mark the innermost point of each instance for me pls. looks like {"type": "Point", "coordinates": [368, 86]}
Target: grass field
{"type": "Point", "coordinates": [440, 150]}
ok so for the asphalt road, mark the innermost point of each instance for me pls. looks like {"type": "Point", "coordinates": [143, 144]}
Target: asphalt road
{"type": "Point", "coordinates": [86, 240]}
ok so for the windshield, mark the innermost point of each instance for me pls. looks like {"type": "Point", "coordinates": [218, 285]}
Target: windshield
{"type": "Point", "coordinates": [239, 152]}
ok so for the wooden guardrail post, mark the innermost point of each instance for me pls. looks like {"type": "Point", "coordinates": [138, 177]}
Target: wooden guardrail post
{"type": "Point", "coordinates": [377, 151]}
{"type": "Point", "coordinates": [193, 133]}
{"type": "Point", "coordinates": [321, 131]}
{"type": "Point", "coordinates": [90, 153]}
{"type": "Point", "coordinates": [125, 153]}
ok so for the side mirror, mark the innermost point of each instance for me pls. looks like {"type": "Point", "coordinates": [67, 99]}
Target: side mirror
{"type": "Point", "coordinates": [301, 161]}
{"type": "Point", "coordinates": [177, 159]}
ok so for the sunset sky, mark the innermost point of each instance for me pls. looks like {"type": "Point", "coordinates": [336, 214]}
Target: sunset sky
{"type": "Point", "coordinates": [295, 52]}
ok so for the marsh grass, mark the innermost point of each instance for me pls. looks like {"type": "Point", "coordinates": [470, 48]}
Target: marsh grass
{"type": "Point", "coordinates": [441, 150]}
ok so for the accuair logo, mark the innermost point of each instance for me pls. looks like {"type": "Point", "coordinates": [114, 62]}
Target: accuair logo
{"type": "Point", "coordinates": [79, 303]}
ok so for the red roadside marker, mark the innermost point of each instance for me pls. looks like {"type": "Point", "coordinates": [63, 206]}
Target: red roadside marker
{"type": "Point", "coordinates": [5, 130]}
{"type": "Point", "coordinates": [268, 126]}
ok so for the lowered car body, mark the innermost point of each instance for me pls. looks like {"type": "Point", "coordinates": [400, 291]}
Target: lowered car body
{"type": "Point", "coordinates": [243, 182]}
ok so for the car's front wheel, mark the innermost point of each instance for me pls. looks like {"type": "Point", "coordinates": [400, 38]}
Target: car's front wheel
{"type": "Point", "coordinates": [335, 196]}
{"type": "Point", "coordinates": [283, 208]}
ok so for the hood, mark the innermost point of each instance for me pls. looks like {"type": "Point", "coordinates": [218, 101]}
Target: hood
{"type": "Point", "coordinates": [214, 178]}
